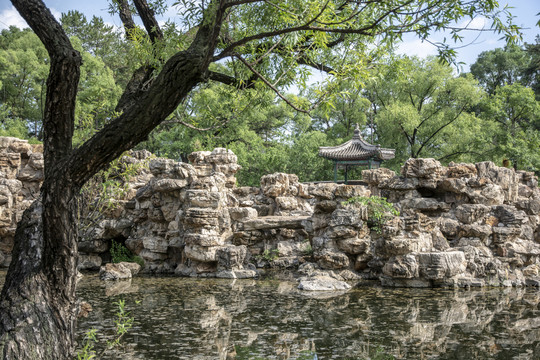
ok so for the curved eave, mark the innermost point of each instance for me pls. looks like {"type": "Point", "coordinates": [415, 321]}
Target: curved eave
{"type": "Point", "coordinates": [353, 151]}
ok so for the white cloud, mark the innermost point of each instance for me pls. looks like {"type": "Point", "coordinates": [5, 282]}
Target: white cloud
{"type": "Point", "coordinates": [416, 47]}
{"type": "Point", "coordinates": [57, 14]}
{"type": "Point", "coordinates": [10, 17]}
{"type": "Point", "coordinates": [478, 22]}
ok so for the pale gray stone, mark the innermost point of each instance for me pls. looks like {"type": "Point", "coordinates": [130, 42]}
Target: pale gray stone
{"type": "Point", "coordinates": [274, 222]}
{"type": "Point", "coordinates": [401, 267]}
{"type": "Point", "coordinates": [322, 283]}
{"type": "Point", "coordinates": [441, 265]}
{"type": "Point", "coordinates": [114, 272]}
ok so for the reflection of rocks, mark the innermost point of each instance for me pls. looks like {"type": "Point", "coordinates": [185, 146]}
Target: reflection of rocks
{"type": "Point", "coordinates": [213, 319]}
{"type": "Point", "coordinates": [113, 288]}
{"type": "Point", "coordinates": [322, 283]}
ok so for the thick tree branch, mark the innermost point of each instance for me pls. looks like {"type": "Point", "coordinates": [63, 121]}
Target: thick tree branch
{"type": "Point", "coordinates": [62, 82]}
{"type": "Point", "coordinates": [180, 74]}
{"type": "Point", "coordinates": [126, 18]}
{"type": "Point", "coordinates": [149, 20]}
{"type": "Point", "coordinates": [232, 81]}
{"type": "Point", "coordinates": [142, 77]}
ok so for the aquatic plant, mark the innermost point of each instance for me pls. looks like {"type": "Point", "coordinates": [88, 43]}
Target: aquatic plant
{"type": "Point", "coordinates": [122, 323]}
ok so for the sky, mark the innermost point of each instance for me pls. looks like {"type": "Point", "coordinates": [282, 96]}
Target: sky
{"type": "Point", "coordinates": [525, 12]}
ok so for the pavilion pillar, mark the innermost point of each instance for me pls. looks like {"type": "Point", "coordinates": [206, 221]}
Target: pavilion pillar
{"type": "Point", "coordinates": [335, 171]}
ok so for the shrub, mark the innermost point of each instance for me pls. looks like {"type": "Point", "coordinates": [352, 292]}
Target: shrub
{"type": "Point", "coordinates": [379, 210]}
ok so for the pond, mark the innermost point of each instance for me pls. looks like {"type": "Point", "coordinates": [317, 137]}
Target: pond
{"type": "Point", "coordinates": [179, 318]}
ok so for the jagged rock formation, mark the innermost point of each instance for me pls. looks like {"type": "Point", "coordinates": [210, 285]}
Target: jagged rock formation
{"type": "Point", "coordinates": [461, 225]}
{"type": "Point", "coordinates": [21, 174]}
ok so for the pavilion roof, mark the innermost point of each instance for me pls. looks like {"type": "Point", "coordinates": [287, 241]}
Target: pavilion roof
{"type": "Point", "coordinates": [356, 149]}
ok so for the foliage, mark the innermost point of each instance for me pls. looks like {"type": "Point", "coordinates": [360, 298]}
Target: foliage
{"type": "Point", "coordinates": [120, 253]}
{"type": "Point", "coordinates": [502, 66]}
{"type": "Point", "coordinates": [24, 67]}
{"type": "Point", "coordinates": [88, 352]}
{"type": "Point", "coordinates": [102, 42]}
{"type": "Point", "coordinates": [532, 71]}
{"type": "Point", "coordinates": [379, 210]}
{"type": "Point", "coordinates": [269, 255]}
{"type": "Point", "coordinates": [421, 109]}
{"type": "Point", "coordinates": [23, 73]}
{"type": "Point", "coordinates": [515, 113]}
{"type": "Point", "coordinates": [100, 195]}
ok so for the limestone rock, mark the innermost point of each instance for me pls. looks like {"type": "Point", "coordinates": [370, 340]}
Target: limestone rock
{"type": "Point", "coordinates": [376, 176]}
{"type": "Point", "coordinates": [354, 245]}
{"type": "Point", "coordinates": [471, 213]}
{"type": "Point", "coordinates": [349, 191]}
{"type": "Point", "coordinates": [323, 191]}
{"type": "Point", "coordinates": [275, 184]}
{"type": "Point", "coordinates": [423, 204]}
{"type": "Point", "coordinates": [286, 202]}
{"type": "Point", "coordinates": [349, 216]}
{"type": "Point", "coordinates": [401, 245]}
{"type": "Point", "coordinates": [203, 199]}
{"type": "Point", "coordinates": [422, 168]}
{"type": "Point", "coordinates": [242, 213]}
{"type": "Point", "coordinates": [155, 244]}
{"type": "Point", "coordinates": [134, 268]}
{"type": "Point", "coordinates": [114, 272]}
{"type": "Point", "coordinates": [274, 222]}
{"type": "Point", "coordinates": [439, 241]}
{"type": "Point", "coordinates": [201, 253]}
{"type": "Point", "coordinates": [329, 259]}
{"type": "Point", "coordinates": [440, 265]}
{"type": "Point", "coordinates": [461, 170]}
{"type": "Point", "coordinates": [168, 185]}
{"type": "Point", "coordinates": [402, 267]}
{"type": "Point", "coordinates": [151, 256]}
{"type": "Point", "coordinates": [501, 176]}
{"type": "Point", "coordinates": [89, 262]}
{"type": "Point", "coordinates": [231, 257]}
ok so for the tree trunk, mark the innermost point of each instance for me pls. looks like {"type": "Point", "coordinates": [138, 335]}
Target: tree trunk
{"type": "Point", "coordinates": [37, 316]}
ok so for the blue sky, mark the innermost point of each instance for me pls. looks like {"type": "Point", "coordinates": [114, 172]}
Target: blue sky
{"type": "Point", "coordinates": [525, 12]}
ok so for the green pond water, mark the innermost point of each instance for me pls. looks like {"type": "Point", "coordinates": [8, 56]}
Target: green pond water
{"type": "Point", "coordinates": [179, 318]}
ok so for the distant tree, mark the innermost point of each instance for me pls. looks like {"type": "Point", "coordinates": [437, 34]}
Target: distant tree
{"type": "Point", "coordinates": [422, 110]}
{"type": "Point", "coordinates": [516, 114]}
{"type": "Point", "coordinates": [532, 71]}
{"type": "Point", "coordinates": [102, 41]}
{"type": "Point", "coordinates": [23, 72]}
{"type": "Point", "coordinates": [502, 66]}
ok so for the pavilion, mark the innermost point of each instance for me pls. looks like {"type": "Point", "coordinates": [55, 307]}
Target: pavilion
{"type": "Point", "coordinates": [355, 152]}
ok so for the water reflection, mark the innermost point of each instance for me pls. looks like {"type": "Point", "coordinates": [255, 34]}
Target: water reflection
{"type": "Point", "coordinates": [225, 319]}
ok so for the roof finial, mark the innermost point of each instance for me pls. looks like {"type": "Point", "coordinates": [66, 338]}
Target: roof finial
{"type": "Point", "coordinates": [357, 130]}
